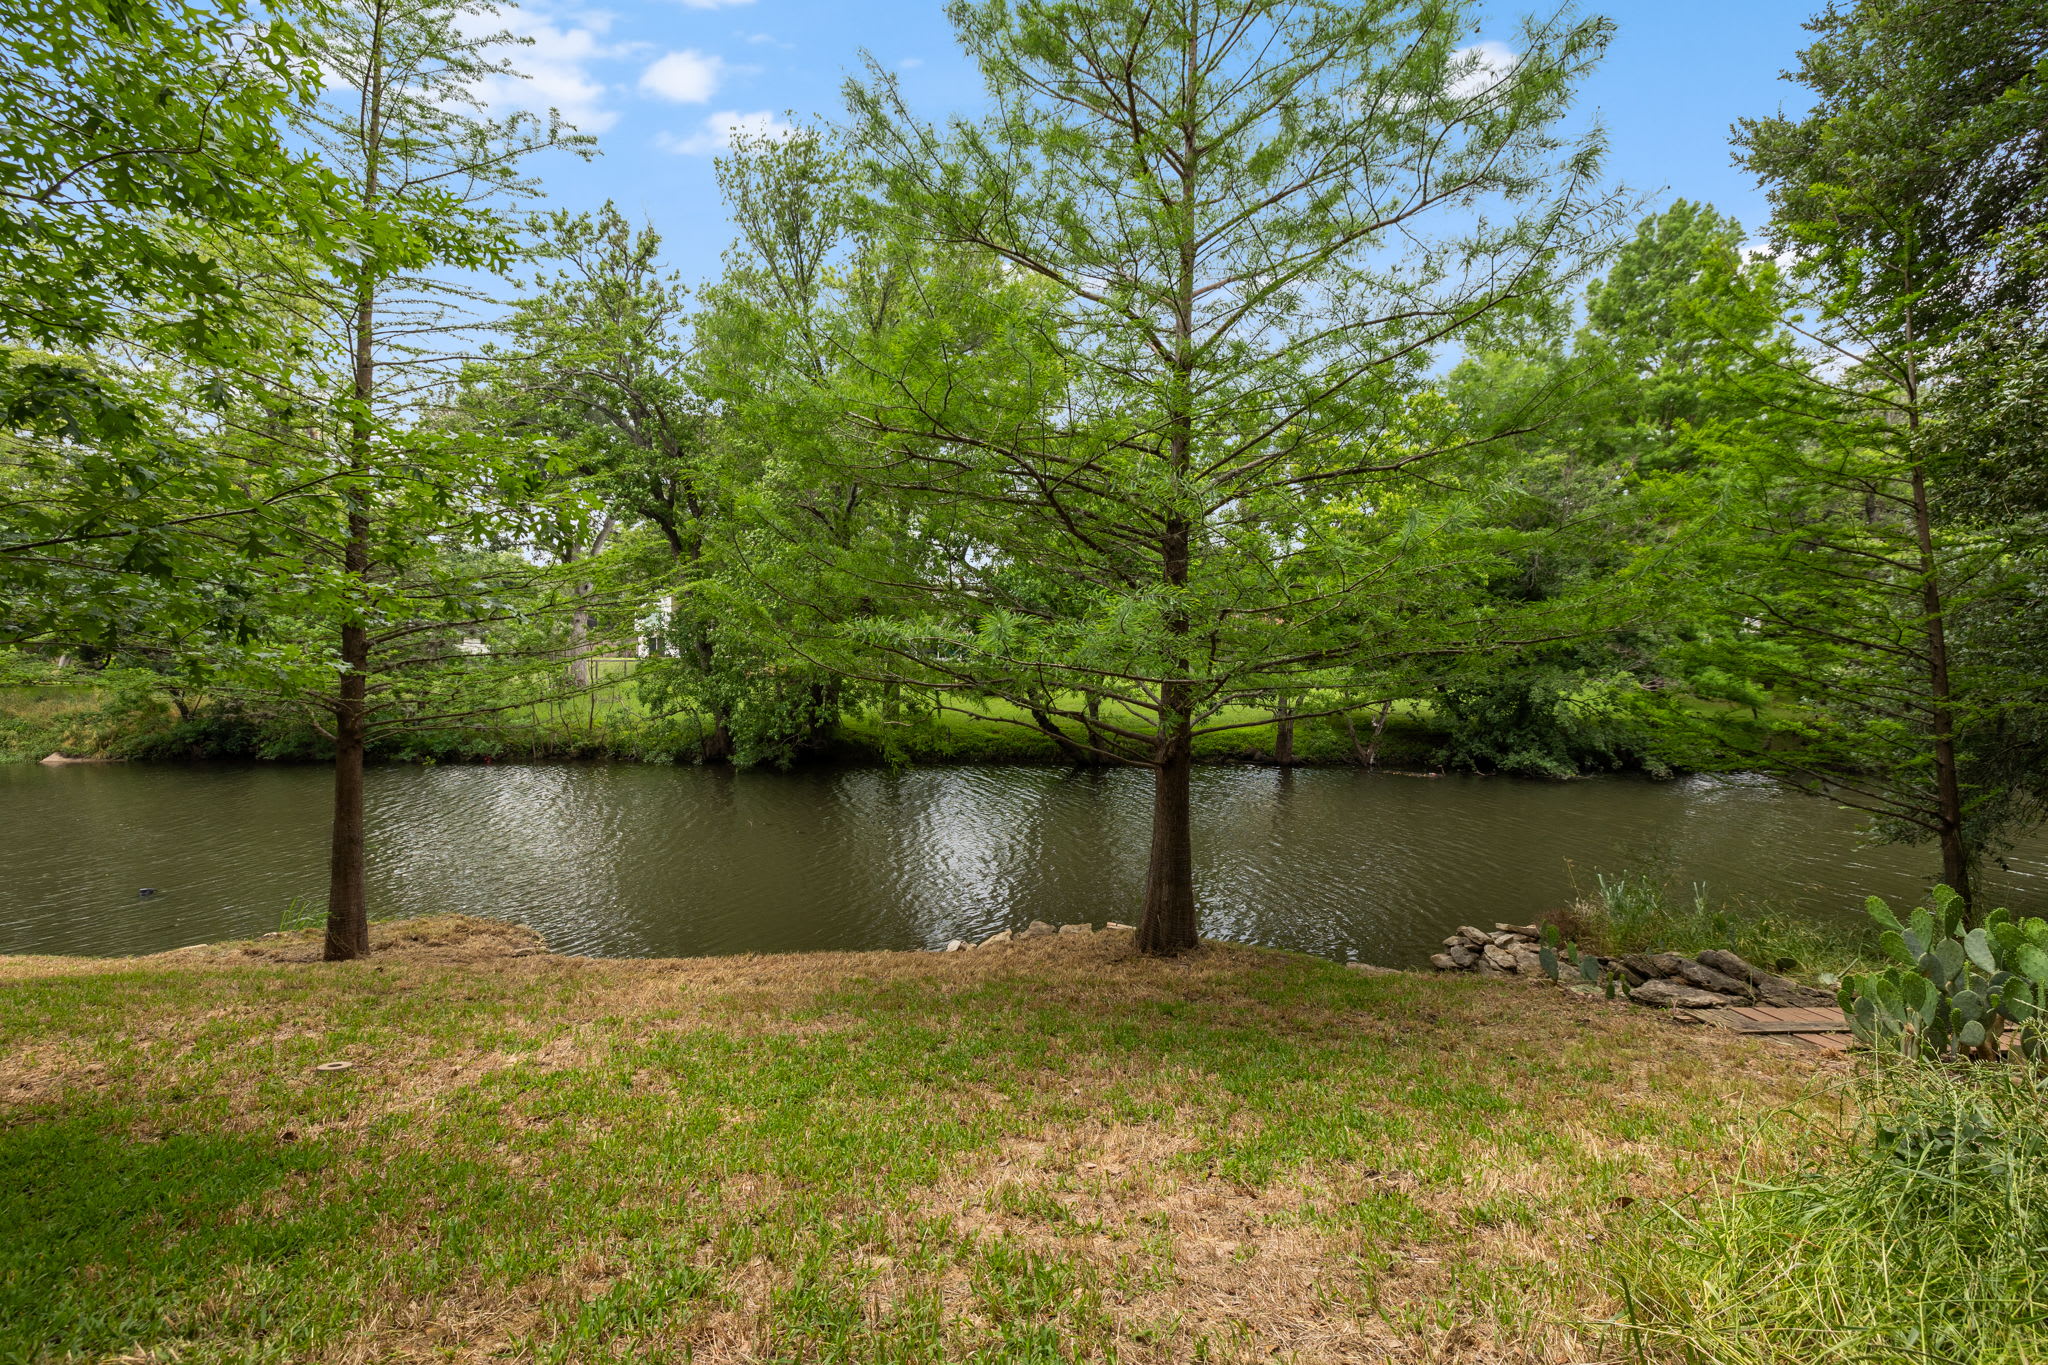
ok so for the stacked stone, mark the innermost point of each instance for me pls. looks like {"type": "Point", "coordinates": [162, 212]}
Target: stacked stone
{"type": "Point", "coordinates": [1712, 979]}
{"type": "Point", "coordinates": [1038, 928]}
{"type": "Point", "coordinates": [1661, 980]}
{"type": "Point", "coordinates": [1510, 950]}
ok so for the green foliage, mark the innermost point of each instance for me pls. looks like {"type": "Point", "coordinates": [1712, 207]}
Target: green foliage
{"type": "Point", "coordinates": [1903, 200]}
{"type": "Point", "coordinates": [1603, 424]}
{"type": "Point", "coordinates": [1652, 352]}
{"type": "Point", "coordinates": [80, 715]}
{"type": "Point", "coordinates": [119, 116]}
{"type": "Point", "coordinates": [1954, 987]}
{"type": "Point", "coordinates": [136, 137]}
{"type": "Point", "coordinates": [1923, 134]}
{"type": "Point", "coordinates": [1533, 722]}
{"type": "Point", "coordinates": [589, 390]}
{"type": "Point", "coordinates": [765, 707]}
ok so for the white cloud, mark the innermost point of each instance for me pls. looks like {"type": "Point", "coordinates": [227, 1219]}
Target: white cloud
{"type": "Point", "coordinates": [910, 63]}
{"type": "Point", "coordinates": [713, 4]}
{"type": "Point", "coordinates": [758, 38]}
{"type": "Point", "coordinates": [722, 129]}
{"type": "Point", "coordinates": [556, 64]}
{"type": "Point", "coordinates": [687, 77]}
{"type": "Point", "coordinates": [1787, 261]}
{"type": "Point", "coordinates": [1476, 69]}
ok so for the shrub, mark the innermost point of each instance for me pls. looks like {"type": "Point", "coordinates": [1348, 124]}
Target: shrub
{"type": "Point", "coordinates": [1533, 723]}
{"type": "Point", "coordinates": [1954, 989]}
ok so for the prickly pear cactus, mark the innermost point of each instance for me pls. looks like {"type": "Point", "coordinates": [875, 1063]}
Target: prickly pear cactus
{"type": "Point", "coordinates": [1954, 990]}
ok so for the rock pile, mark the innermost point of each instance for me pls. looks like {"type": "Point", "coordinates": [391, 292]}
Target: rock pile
{"type": "Point", "coordinates": [1510, 950]}
{"type": "Point", "coordinates": [1663, 980]}
{"type": "Point", "coordinates": [1038, 928]}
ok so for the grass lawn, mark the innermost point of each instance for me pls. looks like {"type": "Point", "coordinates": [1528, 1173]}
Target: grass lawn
{"type": "Point", "coordinates": [1044, 1152]}
{"type": "Point", "coordinates": [990, 731]}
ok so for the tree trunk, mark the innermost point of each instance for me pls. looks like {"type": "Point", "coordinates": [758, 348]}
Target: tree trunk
{"type": "Point", "coordinates": [1956, 857]}
{"type": "Point", "coordinates": [822, 709]}
{"type": "Point", "coordinates": [1358, 753]}
{"type": "Point", "coordinates": [1073, 752]}
{"type": "Point", "coordinates": [1366, 756]}
{"type": "Point", "coordinates": [1167, 924]}
{"type": "Point", "coordinates": [1099, 746]}
{"type": "Point", "coordinates": [579, 643]}
{"type": "Point", "coordinates": [579, 619]}
{"type": "Point", "coordinates": [716, 744]}
{"type": "Point", "coordinates": [1283, 732]}
{"type": "Point", "coordinates": [1379, 725]}
{"type": "Point", "coordinates": [1956, 854]}
{"type": "Point", "coordinates": [348, 917]}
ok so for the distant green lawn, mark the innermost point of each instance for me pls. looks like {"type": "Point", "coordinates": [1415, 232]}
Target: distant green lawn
{"type": "Point", "coordinates": [613, 721]}
{"type": "Point", "coordinates": [996, 731]}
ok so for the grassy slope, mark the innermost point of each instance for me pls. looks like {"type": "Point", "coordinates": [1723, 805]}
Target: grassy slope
{"type": "Point", "coordinates": [36, 720]}
{"type": "Point", "coordinates": [1046, 1152]}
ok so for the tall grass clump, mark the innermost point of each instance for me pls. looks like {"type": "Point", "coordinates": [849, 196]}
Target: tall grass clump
{"type": "Point", "coordinates": [1636, 914]}
{"type": "Point", "coordinates": [1925, 1239]}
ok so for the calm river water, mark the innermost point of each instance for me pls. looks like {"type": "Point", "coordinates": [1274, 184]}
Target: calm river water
{"type": "Point", "coordinates": [645, 860]}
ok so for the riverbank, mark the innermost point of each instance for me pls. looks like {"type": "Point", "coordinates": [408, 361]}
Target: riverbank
{"type": "Point", "coordinates": [85, 722]}
{"type": "Point", "coordinates": [1054, 1150]}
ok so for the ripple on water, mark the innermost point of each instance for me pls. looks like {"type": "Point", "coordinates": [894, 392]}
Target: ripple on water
{"type": "Point", "coordinates": [632, 860]}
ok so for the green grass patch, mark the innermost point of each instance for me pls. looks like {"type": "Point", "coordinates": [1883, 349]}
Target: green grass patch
{"type": "Point", "coordinates": [1921, 1236]}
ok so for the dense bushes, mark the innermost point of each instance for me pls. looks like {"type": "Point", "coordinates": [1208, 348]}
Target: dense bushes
{"type": "Point", "coordinates": [1535, 723]}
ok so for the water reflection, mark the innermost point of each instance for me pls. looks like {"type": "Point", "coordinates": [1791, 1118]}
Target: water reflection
{"type": "Point", "coordinates": [633, 860]}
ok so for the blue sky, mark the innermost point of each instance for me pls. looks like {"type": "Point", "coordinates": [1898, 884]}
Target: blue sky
{"type": "Point", "coordinates": [661, 81]}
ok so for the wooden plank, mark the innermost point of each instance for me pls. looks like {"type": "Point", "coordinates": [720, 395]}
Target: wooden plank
{"type": "Point", "coordinates": [1826, 1042]}
{"type": "Point", "coordinates": [1748, 1012]}
{"type": "Point", "coordinates": [1794, 1026]}
{"type": "Point", "coordinates": [1812, 1014]}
